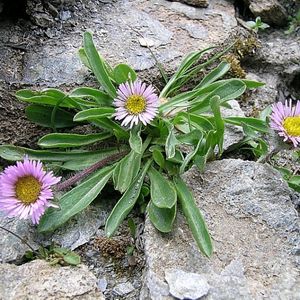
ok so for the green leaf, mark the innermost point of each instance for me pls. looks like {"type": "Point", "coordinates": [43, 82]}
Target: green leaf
{"type": "Point", "coordinates": [110, 125]}
{"type": "Point", "coordinates": [85, 92]}
{"type": "Point", "coordinates": [158, 157]}
{"type": "Point", "coordinates": [193, 217]}
{"type": "Point", "coordinates": [75, 200]}
{"type": "Point", "coordinates": [251, 84]}
{"type": "Point", "coordinates": [126, 203]}
{"type": "Point", "coordinates": [220, 126]}
{"type": "Point", "coordinates": [72, 258]}
{"type": "Point", "coordinates": [135, 140]}
{"type": "Point", "coordinates": [41, 115]}
{"type": "Point", "coordinates": [69, 257]}
{"type": "Point", "coordinates": [171, 142]}
{"type": "Point", "coordinates": [162, 192]}
{"type": "Point", "coordinates": [46, 97]}
{"type": "Point", "coordinates": [191, 137]}
{"type": "Point", "coordinates": [67, 140]}
{"type": "Point", "coordinates": [126, 170]}
{"type": "Point", "coordinates": [73, 160]}
{"type": "Point", "coordinates": [94, 113]}
{"type": "Point", "coordinates": [183, 73]}
{"type": "Point", "coordinates": [215, 74]}
{"type": "Point", "coordinates": [162, 218]}
{"type": "Point", "coordinates": [256, 124]}
{"type": "Point", "coordinates": [98, 65]}
{"type": "Point", "coordinates": [88, 160]}
{"type": "Point", "coordinates": [83, 58]}
{"type": "Point", "coordinates": [190, 155]}
{"type": "Point", "coordinates": [123, 73]}
{"type": "Point", "coordinates": [230, 89]}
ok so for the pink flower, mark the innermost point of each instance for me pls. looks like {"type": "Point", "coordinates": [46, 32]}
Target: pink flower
{"type": "Point", "coordinates": [25, 190]}
{"type": "Point", "coordinates": [285, 119]}
{"type": "Point", "coordinates": [136, 103]}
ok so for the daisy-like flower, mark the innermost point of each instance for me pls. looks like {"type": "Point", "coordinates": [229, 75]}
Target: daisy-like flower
{"type": "Point", "coordinates": [25, 190]}
{"type": "Point", "coordinates": [285, 119]}
{"type": "Point", "coordinates": [135, 102]}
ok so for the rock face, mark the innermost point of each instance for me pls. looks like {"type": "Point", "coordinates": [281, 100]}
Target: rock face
{"type": "Point", "coordinates": [197, 3]}
{"type": "Point", "coordinates": [172, 29]}
{"type": "Point", "coordinates": [39, 280]}
{"type": "Point", "coordinates": [270, 11]}
{"type": "Point", "coordinates": [255, 231]}
{"type": "Point", "coordinates": [74, 233]}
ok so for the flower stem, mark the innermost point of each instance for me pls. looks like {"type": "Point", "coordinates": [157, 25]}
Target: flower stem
{"type": "Point", "coordinates": [17, 236]}
{"type": "Point", "coordinates": [79, 176]}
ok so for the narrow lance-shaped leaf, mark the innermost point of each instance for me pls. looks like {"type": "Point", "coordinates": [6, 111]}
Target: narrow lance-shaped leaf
{"type": "Point", "coordinates": [215, 74]}
{"type": "Point", "coordinates": [171, 142]}
{"type": "Point", "coordinates": [75, 200]}
{"type": "Point", "coordinates": [73, 160]}
{"type": "Point", "coordinates": [158, 157]}
{"type": "Point", "coordinates": [94, 113]}
{"type": "Point", "coordinates": [230, 89]}
{"type": "Point", "coordinates": [135, 140]}
{"type": "Point", "coordinates": [46, 97]}
{"type": "Point", "coordinates": [99, 96]}
{"type": "Point", "coordinates": [97, 64]}
{"type": "Point", "coordinates": [163, 194]}
{"type": "Point", "coordinates": [220, 126]}
{"type": "Point", "coordinates": [41, 115]}
{"type": "Point", "coordinates": [193, 217]}
{"type": "Point", "coordinates": [256, 124]}
{"type": "Point", "coordinates": [162, 218]}
{"type": "Point", "coordinates": [127, 202]}
{"type": "Point", "coordinates": [126, 170]}
{"type": "Point", "coordinates": [190, 155]}
{"type": "Point", "coordinates": [67, 140]}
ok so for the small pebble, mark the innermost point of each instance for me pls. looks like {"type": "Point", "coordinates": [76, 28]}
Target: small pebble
{"type": "Point", "coordinates": [102, 284]}
{"type": "Point", "coordinates": [123, 288]}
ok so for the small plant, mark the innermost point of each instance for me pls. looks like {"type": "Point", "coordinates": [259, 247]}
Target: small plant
{"type": "Point", "coordinates": [257, 25]}
{"type": "Point", "coordinates": [53, 254]}
{"type": "Point", "coordinates": [294, 23]}
{"type": "Point", "coordinates": [148, 133]}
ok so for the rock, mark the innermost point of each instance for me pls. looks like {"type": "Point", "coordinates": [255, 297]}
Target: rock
{"type": "Point", "coordinates": [255, 231]}
{"type": "Point", "coordinates": [233, 134]}
{"type": "Point", "coordinates": [54, 67]}
{"type": "Point", "coordinates": [118, 35]}
{"type": "Point", "coordinates": [270, 11]}
{"type": "Point", "coordinates": [74, 233]}
{"type": "Point", "coordinates": [277, 59]}
{"type": "Point", "coordinates": [123, 289]}
{"type": "Point", "coordinates": [197, 3]}
{"type": "Point", "coordinates": [102, 284]}
{"type": "Point", "coordinates": [185, 285]}
{"type": "Point", "coordinates": [260, 98]}
{"type": "Point", "coordinates": [39, 280]}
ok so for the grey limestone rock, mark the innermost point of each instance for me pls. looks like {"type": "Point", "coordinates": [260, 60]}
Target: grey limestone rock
{"type": "Point", "coordinates": [123, 289]}
{"type": "Point", "coordinates": [184, 285]}
{"type": "Point", "coordinates": [255, 231]}
{"type": "Point", "coordinates": [197, 3]}
{"type": "Point", "coordinates": [39, 280]}
{"type": "Point", "coordinates": [271, 11]}
{"type": "Point", "coordinates": [74, 233]}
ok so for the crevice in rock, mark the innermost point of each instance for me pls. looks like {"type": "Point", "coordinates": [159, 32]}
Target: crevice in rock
{"type": "Point", "coordinates": [13, 10]}
{"type": "Point", "coordinates": [243, 10]}
{"type": "Point", "coordinates": [294, 86]}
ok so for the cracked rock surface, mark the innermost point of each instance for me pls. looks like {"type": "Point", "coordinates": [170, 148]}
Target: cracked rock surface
{"type": "Point", "coordinates": [255, 230]}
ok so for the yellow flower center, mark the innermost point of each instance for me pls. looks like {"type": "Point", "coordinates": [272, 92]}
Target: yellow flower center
{"type": "Point", "coordinates": [28, 189]}
{"type": "Point", "coordinates": [292, 125]}
{"type": "Point", "coordinates": [135, 104]}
